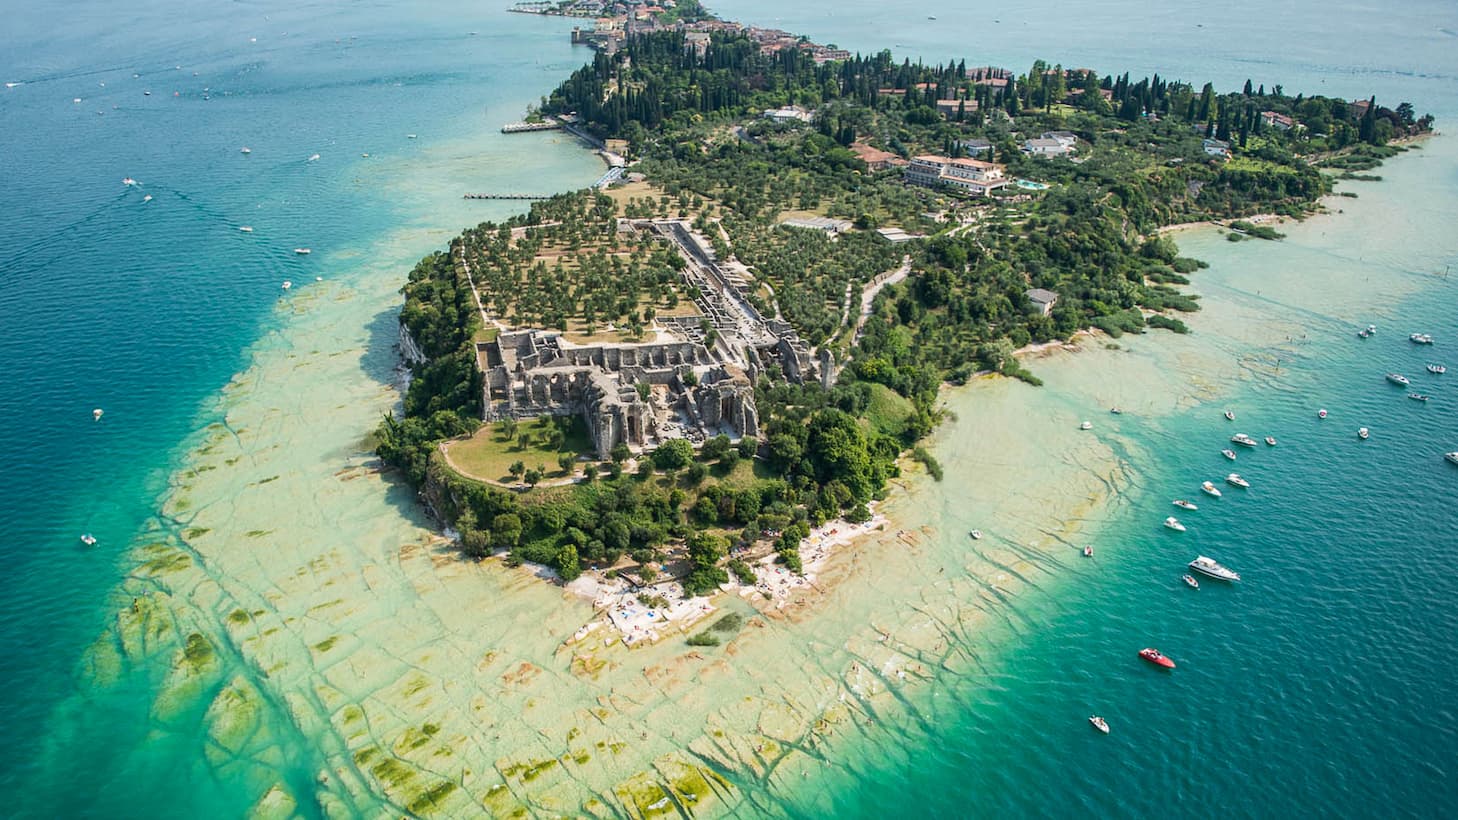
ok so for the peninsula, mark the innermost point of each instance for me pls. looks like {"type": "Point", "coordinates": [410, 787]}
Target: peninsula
{"type": "Point", "coordinates": [679, 380]}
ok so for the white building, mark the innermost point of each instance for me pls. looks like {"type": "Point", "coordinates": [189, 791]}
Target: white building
{"type": "Point", "coordinates": [790, 113]}
{"type": "Point", "coordinates": [1046, 147]}
{"type": "Point", "coordinates": [970, 175]}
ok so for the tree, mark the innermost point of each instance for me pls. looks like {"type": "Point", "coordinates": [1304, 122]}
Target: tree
{"type": "Point", "coordinates": [566, 462]}
{"type": "Point", "coordinates": [696, 473]}
{"type": "Point", "coordinates": [747, 446]}
{"type": "Point", "coordinates": [673, 454]}
{"type": "Point", "coordinates": [532, 477]}
{"type": "Point", "coordinates": [516, 469]}
{"type": "Point", "coordinates": [620, 453]}
{"type": "Point", "coordinates": [589, 473]}
{"type": "Point", "coordinates": [524, 440]}
{"type": "Point", "coordinates": [508, 428]}
{"type": "Point", "coordinates": [506, 530]}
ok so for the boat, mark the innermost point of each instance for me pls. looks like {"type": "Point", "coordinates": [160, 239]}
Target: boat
{"type": "Point", "coordinates": [1230, 415]}
{"type": "Point", "coordinates": [1420, 339]}
{"type": "Point", "coordinates": [1174, 524]}
{"type": "Point", "coordinates": [1210, 489]}
{"type": "Point", "coordinates": [88, 539]}
{"type": "Point", "coordinates": [147, 198]}
{"type": "Point", "coordinates": [314, 157]}
{"type": "Point", "coordinates": [1235, 480]}
{"type": "Point", "coordinates": [1087, 551]}
{"type": "Point", "coordinates": [1363, 334]}
{"type": "Point", "coordinates": [1212, 568]}
{"type": "Point", "coordinates": [409, 136]}
{"type": "Point", "coordinates": [1185, 505]}
{"type": "Point", "coordinates": [96, 414]}
{"type": "Point", "coordinates": [1230, 454]}
{"type": "Point", "coordinates": [1190, 579]}
{"type": "Point", "coordinates": [246, 228]}
{"type": "Point", "coordinates": [1321, 414]}
{"type": "Point", "coordinates": [1271, 440]}
{"type": "Point", "coordinates": [302, 251]}
{"type": "Point", "coordinates": [245, 150]}
{"type": "Point", "coordinates": [1451, 458]}
{"type": "Point", "coordinates": [976, 535]}
{"type": "Point", "coordinates": [128, 181]}
{"type": "Point", "coordinates": [146, 93]}
{"type": "Point", "coordinates": [1417, 396]}
{"type": "Point", "coordinates": [1398, 378]}
{"type": "Point", "coordinates": [1098, 722]}
{"type": "Point", "coordinates": [1362, 433]}
{"type": "Point", "coordinates": [1371, 329]}
{"type": "Point", "coordinates": [1088, 425]}
{"type": "Point", "coordinates": [287, 284]}
{"type": "Point", "coordinates": [1244, 440]}
{"type": "Point", "coordinates": [1437, 369]}
{"type": "Point", "coordinates": [1116, 411]}
{"type": "Point", "coordinates": [1156, 657]}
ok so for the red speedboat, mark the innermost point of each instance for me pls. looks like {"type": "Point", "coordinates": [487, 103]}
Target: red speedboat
{"type": "Point", "coordinates": [1154, 657]}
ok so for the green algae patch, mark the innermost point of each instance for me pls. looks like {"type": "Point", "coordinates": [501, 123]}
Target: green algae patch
{"type": "Point", "coordinates": [239, 617]}
{"type": "Point", "coordinates": [195, 532]}
{"type": "Point", "coordinates": [581, 758]}
{"type": "Point", "coordinates": [363, 756]}
{"type": "Point", "coordinates": [277, 804]}
{"type": "Point", "coordinates": [165, 560]}
{"type": "Point", "coordinates": [352, 714]}
{"type": "Point", "coordinates": [257, 533]}
{"type": "Point", "coordinates": [326, 644]}
{"type": "Point", "coordinates": [430, 799]}
{"type": "Point", "coordinates": [233, 716]}
{"type": "Point", "coordinates": [645, 795]}
{"type": "Point", "coordinates": [265, 480]}
{"type": "Point", "coordinates": [197, 651]}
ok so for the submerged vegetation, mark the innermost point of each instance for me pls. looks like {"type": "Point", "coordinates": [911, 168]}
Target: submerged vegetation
{"type": "Point", "coordinates": [1136, 155]}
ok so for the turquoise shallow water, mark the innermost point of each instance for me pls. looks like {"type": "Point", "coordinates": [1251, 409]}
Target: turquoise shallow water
{"type": "Point", "coordinates": [1321, 684]}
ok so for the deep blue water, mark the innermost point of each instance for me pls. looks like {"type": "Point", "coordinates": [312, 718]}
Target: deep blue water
{"type": "Point", "coordinates": [1321, 684]}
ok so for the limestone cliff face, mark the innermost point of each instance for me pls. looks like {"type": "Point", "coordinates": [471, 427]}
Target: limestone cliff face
{"type": "Point", "coordinates": [410, 352]}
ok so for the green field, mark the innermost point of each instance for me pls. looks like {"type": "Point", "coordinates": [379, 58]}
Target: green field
{"type": "Point", "coordinates": [489, 454]}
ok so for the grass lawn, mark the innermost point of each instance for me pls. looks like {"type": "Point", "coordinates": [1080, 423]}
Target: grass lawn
{"type": "Point", "coordinates": [888, 410]}
{"type": "Point", "coordinates": [489, 454]}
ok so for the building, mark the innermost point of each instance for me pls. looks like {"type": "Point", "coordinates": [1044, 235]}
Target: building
{"type": "Point", "coordinates": [1280, 122]}
{"type": "Point", "coordinates": [789, 113]}
{"type": "Point", "coordinates": [1216, 148]}
{"type": "Point", "coordinates": [1067, 139]}
{"type": "Point", "coordinates": [975, 147]}
{"type": "Point", "coordinates": [1043, 300]}
{"type": "Point", "coordinates": [819, 223]}
{"type": "Point", "coordinates": [896, 236]}
{"type": "Point", "coordinates": [972, 176]}
{"type": "Point", "coordinates": [949, 109]}
{"type": "Point", "coordinates": [874, 158]}
{"type": "Point", "coordinates": [1046, 147]}
{"type": "Point", "coordinates": [697, 42]}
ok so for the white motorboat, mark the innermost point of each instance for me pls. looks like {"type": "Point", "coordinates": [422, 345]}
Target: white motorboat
{"type": "Point", "coordinates": [1244, 440]}
{"type": "Point", "coordinates": [1321, 414]}
{"type": "Point", "coordinates": [302, 251]}
{"type": "Point", "coordinates": [1087, 551]}
{"type": "Point", "coordinates": [1230, 454]}
{"type": "Point", "coordinates": [1398, 378]}
{"type": "Point", "coordinates": [1363, 334]}
{"type": "Point", "coordinates": [1363, 433]}
{"type": "Point", "coordinates": [1451, 458]}
{"type": "Point", "coordinates": [1099, 723]}
{"type": "Point", "coordinates": [1420, 339]}
{"type": "Point", "coordinates": [88, 539]}
{"type": "Point", "coordinates": [287, 284]}
{"type": "Point", "coordinates": [1116, 411]}
{"type": "Point", "coordinates": [1174, 524]}
{"type": "Point", "coordinates": [1437, 369]}
{"type": "Point", "coordinates": [976, 535]}
{"type": "Point", "coordinates": [1235, 480]}
{"type": "Point", "coordinates": [1088, 425]}
{"type": "Point", "coordinates": [1212, 568]}
{"type": "Point", "coordinates": [1230, 415]}
{"type": "Point", "coordinates": [1185, 505]}
{"type": "Point", "coordinates": [1210, 489]}
{"type": "Point", "coordinates": [246, 228]}
{"type": "Point", "coordinates": [1271, 440]}
{"type": "Point", "coordinates": [96, 414]}
{"type": "Point", "coordinates": [128, 181]}
{"type": "Point", "coordinates": [245, 150]}
{"type": "Point", "coordinates": [313, 157]}
{"type": "Point", "coordinates": [1371, 329]}
{"type": "Point", "coordinates": [1417, 396]}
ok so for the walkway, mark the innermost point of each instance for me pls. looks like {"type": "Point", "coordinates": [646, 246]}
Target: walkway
{"type": "Point", "coordinates": [868, 295]}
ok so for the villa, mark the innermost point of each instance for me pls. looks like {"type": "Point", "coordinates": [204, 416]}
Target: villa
{"type": "Point", "coordinates": [970, 175]}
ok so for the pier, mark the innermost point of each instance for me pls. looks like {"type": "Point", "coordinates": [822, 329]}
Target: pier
{"type": "Point", "coordinates": [506, 196]}
{"type": "Point", "coordinates": [523, 127]}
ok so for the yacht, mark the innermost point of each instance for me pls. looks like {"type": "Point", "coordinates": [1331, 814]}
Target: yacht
{"type": "Point", "coordinates": [1363, 334]}
{"type": "Point", "coordinates": [1235, 480]}
{"type": "Point", "coordinates": [287, 284]}
{"type": "Point", "coordinates": [1362, 433]}
{"type": "Point", "coordinates": [1174, 524]}
{"type": "Point", "coordinates": [1185, 505]}
{"type": "Point", "coordinates": [1452, 458]}
{"type": "Point", "coordinates": [1088, 425]}
{"type": "Point", "coordinates": [1230, 454]}
{"type": "Point", "coordinates": [1190, 580]}
{"type": "Point", "coordinates": [1230, 415]}
{"type": "Point", "coordinates": [1371, 329]}
{"type": "Point", "coordinates": [1417, 396]}
{"type": "Point", "coordinates": [302, 251]}
{"type": "Point", "coordinates": [1271, 441]}
{"type": "Point", "coordinates": [1398, 378]}
{"type": "Point", "coordinates": [409, 136]}
{"type": "Point", "coordinates": [1244, 440]}
{"type": "Point", "coordinates": [1420, 339]}
{"type": "Point", "coordinates": [1098, 722]}
{"type": "Point", "coordinates": [147, 198]}
{"type": "Point", "coordinates": [1210, 489]}
{"type": "Point", "coordinates": [1437, 369]}
{"type": "Point", "coordinates": [1209, 566]}
{"type": "Point", "coordinates": [88, 539]}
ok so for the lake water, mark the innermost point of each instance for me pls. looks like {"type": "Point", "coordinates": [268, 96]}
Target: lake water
{"type": "Point", "coordinates": [236, 415]}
